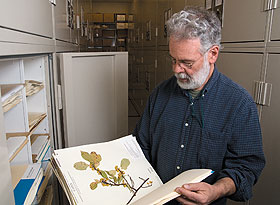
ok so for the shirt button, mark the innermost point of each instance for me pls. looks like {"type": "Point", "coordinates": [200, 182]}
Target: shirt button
{"type": "Point", "coordinates": [178, 167]}
{"type": "Point", "coordinates": [192, 103]}
{"type": "Point", "coordinates": [182, 146]}
{"type": "Point", "coordinates": [186, 124]}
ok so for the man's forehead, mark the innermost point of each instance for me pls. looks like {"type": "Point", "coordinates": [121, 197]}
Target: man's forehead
{"type": "Point", "coordinates": [184, 47]}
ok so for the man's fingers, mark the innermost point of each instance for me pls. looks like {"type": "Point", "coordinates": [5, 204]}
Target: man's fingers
{"type": "Point", "coordinates": [189, 194]}
{"type": "Point", "coordinates": [193, 187]}
{"type": "Point", "coordinates": [185, 201]}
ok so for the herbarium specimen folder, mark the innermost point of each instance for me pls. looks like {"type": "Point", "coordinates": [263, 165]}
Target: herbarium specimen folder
{"type": "Point", "coordinates": [115, 172]}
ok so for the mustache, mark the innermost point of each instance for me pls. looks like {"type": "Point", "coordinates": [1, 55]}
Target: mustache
{"type": "Point", "coordinates": [183, 76]}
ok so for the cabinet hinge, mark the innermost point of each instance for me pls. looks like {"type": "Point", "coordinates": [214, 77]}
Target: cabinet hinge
{"type": "Point", "coordinates": [59, 97]}
{"type": "Point", "coordinates": [262, 93]}
{"type": "Point", "coordinates": [156, 31]}
{"type": "Point", "coordinates": [270, 4]}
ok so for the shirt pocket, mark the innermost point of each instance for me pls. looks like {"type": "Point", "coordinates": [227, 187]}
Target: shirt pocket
{"type": "Point", "coordinates": [212, 150]}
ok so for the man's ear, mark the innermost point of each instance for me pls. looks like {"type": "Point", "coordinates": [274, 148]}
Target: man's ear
{"type": "Point", "coordinates": [213, 54]}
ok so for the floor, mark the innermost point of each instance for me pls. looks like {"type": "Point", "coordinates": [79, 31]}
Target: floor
{"type": "Point", "coordinates": [133, 116]}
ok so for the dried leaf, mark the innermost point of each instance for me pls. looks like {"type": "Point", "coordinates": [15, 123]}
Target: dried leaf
{"type": "Point", "coordinates": [112, 173]}
{"type": "Point", "coordinates": [93, 185]}
{"type": "Point", "coordinates": [125, 163]}
{"type": "Point", "coordinates": [103, 174]}
{"type": "Point", "coordinates": [87, 156]}
{"type": "Point", "coordinates": [81, 165]}
{"type": "Point", "coordinates": [96, 158]}
{"type": "Point", "coordinates": [120, 179]}
{"type": "Point", "coordinates": [115, 179]}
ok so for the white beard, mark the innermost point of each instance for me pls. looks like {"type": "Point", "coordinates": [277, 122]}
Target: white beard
{"type": "Point", "coordinates": [197, 79]}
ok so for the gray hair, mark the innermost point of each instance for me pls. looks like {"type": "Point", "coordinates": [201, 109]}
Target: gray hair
{"type": "Point", "coordinates": [195, 22]}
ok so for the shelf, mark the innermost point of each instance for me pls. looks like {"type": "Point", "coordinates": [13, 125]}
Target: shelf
{"type": "Point", "coordinates": [40, 144]}
{"type": "Point", "coordinates": [11, 96]}
{"type": "Point", "coordinates": [34, 119]}
{"type": "Point", "coordinates": [16, 143]}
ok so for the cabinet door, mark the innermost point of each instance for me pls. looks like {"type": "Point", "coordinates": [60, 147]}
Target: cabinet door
{"type": "Point", "coordinates": [62, 31]}
{"type": "Point", "coordinates": [243, 68]}
{"type": "Point", "coordinates": [162, 14]}
{"type": "Point", "coordinates": [95, 96]}
{"type": "Point", "coordinates": [239, 16]}
{"type": "Point", "coordinates": [177, 5]}
{"type": "Point", "coordinates": [149, 22]}
{"type": "Point", "coordinates": [30, 16]}
{"type": "Point", "coordinates": [275, 31]}
{"type": "Point", "coordinates": [267, 189]}
{"type": "Point", "coordinates": [6, 193]}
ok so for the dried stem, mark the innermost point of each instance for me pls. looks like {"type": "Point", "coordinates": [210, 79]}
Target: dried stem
{"type": "Point", "coordinates": [137, 190]}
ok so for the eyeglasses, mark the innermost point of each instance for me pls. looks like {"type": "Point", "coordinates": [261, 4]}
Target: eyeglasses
{"type": "Point", "coordinates": [185, 64]}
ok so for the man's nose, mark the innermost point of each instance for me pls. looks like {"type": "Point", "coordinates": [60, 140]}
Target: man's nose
{"type": "Point", "coordinates": [177, 68]}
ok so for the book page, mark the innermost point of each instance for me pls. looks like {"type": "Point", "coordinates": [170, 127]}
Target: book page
{"type": "Point", "coordinates": [123, 154]}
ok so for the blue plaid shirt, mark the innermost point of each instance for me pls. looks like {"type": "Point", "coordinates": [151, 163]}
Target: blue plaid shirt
{"type": "Point", "coordinates": [218, 130]}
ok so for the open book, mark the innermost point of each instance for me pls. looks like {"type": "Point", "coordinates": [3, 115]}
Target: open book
{"type": "Point", "coordinates": [115, 172]}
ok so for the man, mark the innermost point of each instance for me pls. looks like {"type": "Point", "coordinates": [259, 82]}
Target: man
{"type": "Point", "coordinates": [199, 118]}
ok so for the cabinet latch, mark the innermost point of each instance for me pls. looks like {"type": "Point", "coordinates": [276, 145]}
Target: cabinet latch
{"type": "Point", "coordinates": [262, 93]}
{"type": "Point", "coordinates": [59, 97]}
{"type": "Point", "coordinates": [270, 4]}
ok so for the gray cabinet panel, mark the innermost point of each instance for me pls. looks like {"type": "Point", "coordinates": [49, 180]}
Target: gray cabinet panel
{"type": "Point", "coordinates": [195, 3]}
{"type": "Point", "coordinates": [239, 18]}
{"type": "Point", "coordinates": [29, 16]}
{"type": "Point", "coordinates": [6, 191]}
{"type": "Point", "coordinates": [177, 5]}
{"type": "Point", "coordinates": [149, 22]}
{"type": "Point", "coordinates": [163, 6]}
{"type": "Point", "coordinates": [243, 68]}
{"type": "Point", "coordinates": [275, 30]}
{"type": "Point", "coordinates": [94, 96]}
{"type": "Point", "coordinates": [62, 31]}
{"type": "Point", "coordinates": [267, 189]}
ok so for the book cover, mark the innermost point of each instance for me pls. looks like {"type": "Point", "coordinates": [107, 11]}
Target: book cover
{"type": "Point", "coordinates": [26, 180]}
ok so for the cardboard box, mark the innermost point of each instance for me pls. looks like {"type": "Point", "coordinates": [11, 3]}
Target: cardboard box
{"type": "Point", "coordinates": [97, 17]}
{"type": "Point", "coordinates": [109, 17]}
{"type": "Point", "coordinates": [121, 25]}
{"type": "Point", "coordinates": [120, 17]}
{"type": "Point", "coordinates": [130, 18]}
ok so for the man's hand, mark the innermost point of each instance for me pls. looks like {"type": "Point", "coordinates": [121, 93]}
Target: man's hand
{"type": "Point", "coordinates": [203, 193]}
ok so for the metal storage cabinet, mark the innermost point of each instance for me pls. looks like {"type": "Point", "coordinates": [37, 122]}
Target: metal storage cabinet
{"type": "Point", "coordinates": [177, 5]}
{"type": "Point", "coordinates": [267, 189]}
{"type": "Point", "coordinates": [26, 27]}
{"type": "Point", "coordinates": [275, 30]}
{"type": "Point", "coordinates": [244, 21]}
{"type": "Point", "coordinates": [62, 31]}
{"type": "Point", "coordinates": [162, 8]}
{"type": "Point", "coordinates": [6, 191]}
{"type": "Point", "coordinates": [149, 22]}
{"type": "Point", "coordinates": [29, 16]}
{"type": "Point", "coordinates": [243, 68]}
{"type": "Point", "coordinates": [95, 90]}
